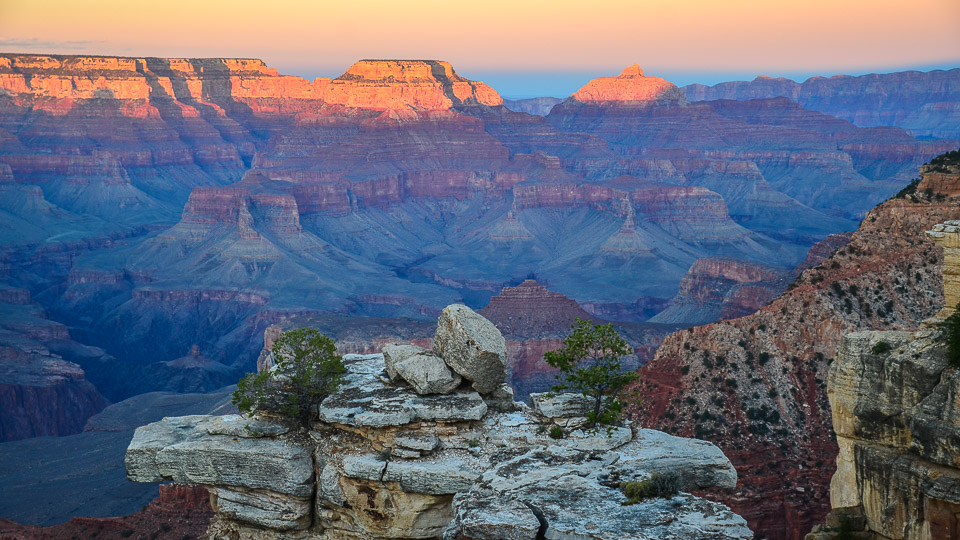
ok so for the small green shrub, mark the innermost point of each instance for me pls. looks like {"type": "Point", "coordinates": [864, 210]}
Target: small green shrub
{"type": "Point", "coordinates": [589, 363]}
{"type": "Point", "coordinates": [473, 443]}
{"type": "Point", "coordinates": [880, 347]}
{"type": "Point", "coordinates": [556, 432]}
{"type": "Point", "coordinates": [307, 370]}
{"type": "Point", "coordinates": [664, 485]}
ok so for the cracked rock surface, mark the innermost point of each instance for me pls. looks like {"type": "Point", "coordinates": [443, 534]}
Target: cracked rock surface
{"type": "Point", "coordinates": [383, 461]}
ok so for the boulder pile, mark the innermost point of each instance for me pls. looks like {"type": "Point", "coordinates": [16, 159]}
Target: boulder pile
{"type": "Point", "coordinates": [428, 444]}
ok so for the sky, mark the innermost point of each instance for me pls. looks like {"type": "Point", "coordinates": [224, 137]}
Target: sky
{"type": "Point", "coordinates": [521, 47]}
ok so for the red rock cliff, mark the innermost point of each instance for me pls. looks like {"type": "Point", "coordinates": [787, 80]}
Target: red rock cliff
{"type": "Point", "coordinates": [757, 385]}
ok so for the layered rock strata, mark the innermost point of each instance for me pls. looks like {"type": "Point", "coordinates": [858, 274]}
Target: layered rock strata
{"type": "Point", "coordinates": [382, 461]}
{"type": "Point", "coordinates": [757, 385]}
{"type": "Point", "coordinates": [926, 103]}
{"type": "Point", "coordinates": [893, 396]}
{"type": "Point", "coordinates": [895, 413]}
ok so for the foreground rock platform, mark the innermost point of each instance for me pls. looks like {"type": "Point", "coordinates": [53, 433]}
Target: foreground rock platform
{"type": "Point", "coordinates": [382, 461]}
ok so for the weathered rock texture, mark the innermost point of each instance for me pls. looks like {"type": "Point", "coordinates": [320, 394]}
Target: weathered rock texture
{"type": "Point", "coordinates": [382, 461]}
{"type": "Point", "coordinates": [378, 473]}
{"type": "Point", "coordinates": [757, 385]}
{"type": "Point", "coordinates": [947, 236]}
{"type": "Point", "coordinates": [472, 346]}
{"type": "Point", "coordinates": [894, 401]}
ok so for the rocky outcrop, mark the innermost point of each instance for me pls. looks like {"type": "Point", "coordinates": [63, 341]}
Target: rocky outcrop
{"type": "Point", "coordinates": [382, 461]}
{"type": "Point", "coordinates": [771, 367]}
{"type": "Point", "coordinates": [630, 87]}
{"type": "Point", "coordinates": [923, 102]}
{"type": "Point", "coordinates": [722, 288]}
{"type": "Point", "coordinates": [894, 412]}
{"type": "Point", "coordinates": [472, 346]}
{"type": "Point", "coordinates": [404, 84]}
{"type": "Point", "coordinates": [947, 236]}
{"type": "Point", "coordinates": [529, 309]}
{"type": "Point", "coordinates": [893, 398]}
{"type": "Point", "coordinates": [41, 392]}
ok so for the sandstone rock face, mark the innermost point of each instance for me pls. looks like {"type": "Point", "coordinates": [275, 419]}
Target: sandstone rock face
{"type": "Point", "coordinates": [895, 414]}
{"type": "Point", "coordinates": [380, 473]}
{"type": "Point", "coordinates": [947, 236]}
{"type": "Point", "coordinates": [398, 84]}
{"type": "Point", "coordinates": [472, 346]}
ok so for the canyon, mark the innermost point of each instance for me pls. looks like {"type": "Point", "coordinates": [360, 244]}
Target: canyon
{"type": "Point", "coordinates": [160, 216]}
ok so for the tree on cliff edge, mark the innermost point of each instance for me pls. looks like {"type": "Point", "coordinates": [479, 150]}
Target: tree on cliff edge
{"type": "Point", "coordinates": [306, 370]}
{"type": "Point", "coordinates": [589, 362]}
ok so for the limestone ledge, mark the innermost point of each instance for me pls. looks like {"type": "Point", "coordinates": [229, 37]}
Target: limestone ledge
{"type": "Point", "coordinates": [895, 412]}
{"type": "Point", "coordinates": [472, 472]}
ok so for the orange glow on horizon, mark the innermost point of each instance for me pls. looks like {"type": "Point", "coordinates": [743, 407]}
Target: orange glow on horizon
{"type": "Point", "coordinates": [536, 35]}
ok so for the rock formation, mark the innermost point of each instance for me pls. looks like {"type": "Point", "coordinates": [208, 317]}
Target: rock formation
{"type": "Point", "coordinates": [761, 380]}
{"type": "Point", "coordinates": [529, 309]}
{"type": "Point", "coordinates": [383, 461]}
{"type": "Point", "coordinates": [895, 418]}
{"type": "Point", "coordinates": [893, 397]}
{"type": "Point", "coordinates": [722, 288]}
{"type": "Point", "coordinates": [41, 392]}
{"type": "Point", "coordinates": [412, 84]}
{"type": "Point", "coordinates": [630, 87]}
{"type": "Point", "coordinates": [926, 103]}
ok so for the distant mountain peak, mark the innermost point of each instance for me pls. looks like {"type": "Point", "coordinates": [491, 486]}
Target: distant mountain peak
{"type": "Point", "coordinates": [632, 71]}
{"type": "Point", "coordinates": [630, 87]}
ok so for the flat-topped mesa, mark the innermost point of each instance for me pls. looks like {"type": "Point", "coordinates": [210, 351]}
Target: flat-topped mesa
{"type": "Point", "coordinates": [947, 236]}
{"type": "Point", "coordinates": [630, 87]}
{"type": "Point", "coordinates": [398, 84]}
{"type": "Point", "coordinates": [125, 78]}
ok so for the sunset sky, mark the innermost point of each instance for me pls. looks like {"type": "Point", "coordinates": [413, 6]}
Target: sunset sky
{"type": "Point", "coordinates": [520, 47]}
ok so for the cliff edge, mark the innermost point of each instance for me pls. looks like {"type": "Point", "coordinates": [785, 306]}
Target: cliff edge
{"type": "Point", "coordinates": [392, 455]}
{"type": "Point", "coordinates": [897, 419]}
